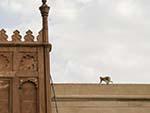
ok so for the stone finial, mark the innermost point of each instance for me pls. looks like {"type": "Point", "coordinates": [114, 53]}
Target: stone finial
{"type": "Point", "coordinates": [16, 37]}
{"type": "Point", "coordinates": [3, 36]}
{"type": "Point", "coordinates": [44, 13]}
{"type": "Point", "coordinates": [44, 10]}
{"type": "Point", "coordinates": [29, 37]}
{"type": "Point", "coordinates": [39, 37]}
{"type": "Point", "coordinates": [44, 1]}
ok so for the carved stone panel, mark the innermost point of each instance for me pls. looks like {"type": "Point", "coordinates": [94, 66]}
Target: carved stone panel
{"type": "Point", "coordinates": [5, 96]}
{"type": "Point", "coordinates": [5, 61]}
{"type": "Point", "coordinates": [28, 62]}
{"type": "Point", "coordinates": [28, 97]}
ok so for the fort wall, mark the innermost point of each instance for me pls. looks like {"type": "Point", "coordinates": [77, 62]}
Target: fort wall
{"type": "Point", "coordinates": [94, 98]}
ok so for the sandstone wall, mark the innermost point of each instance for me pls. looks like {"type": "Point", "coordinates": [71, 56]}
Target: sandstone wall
{"type": "Point", "coordinates": [94, 98]}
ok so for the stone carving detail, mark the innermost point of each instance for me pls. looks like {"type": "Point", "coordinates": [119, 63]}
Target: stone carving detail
{"type": "Point", "coordinates": [16, 37]}
{"type": "Point", "coordinates": [28, 80]}
{"type": "Point", "coordinates": [29, 37]}
{"type": "Point", "coordinates": [28, 63]}
{"type": "Point", "coordinates": [4, 62]}
{"type": "Point", "coordinates": [3, 36]}
{"type": "Point", "coordinates": [39, 37]}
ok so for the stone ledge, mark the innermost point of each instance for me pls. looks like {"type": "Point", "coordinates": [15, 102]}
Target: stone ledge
{"type": "Point", "coordinates": [102, 90]}
{"type": "Point", "coordinates": [102, 98]}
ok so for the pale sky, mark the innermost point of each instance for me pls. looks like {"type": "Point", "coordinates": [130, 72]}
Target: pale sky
{"type": "Point", "coordinates": [89, 37]}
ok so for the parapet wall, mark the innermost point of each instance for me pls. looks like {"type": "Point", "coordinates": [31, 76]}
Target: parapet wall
{"type": "Point", "coordinates": [94, 98]}
{"type": "Point", "coordinates": [16, 37]}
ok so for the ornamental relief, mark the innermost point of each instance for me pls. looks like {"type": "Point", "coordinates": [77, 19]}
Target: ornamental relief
{"type": "Point", "coordinates": [16, 37]}
{"type": "Point", "coordinates": [28, 62]}
{"type": "Point", "coordinates": [3, 36]}
{"type": "Point", "coordinates": [28, 80]}
{"type": "Point", "coordinates": [5, 62]}
{"type": "Point", "coordinates": [29, 37]}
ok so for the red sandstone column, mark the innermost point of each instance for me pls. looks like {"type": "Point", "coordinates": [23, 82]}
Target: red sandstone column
{"type": "Point", "coordinates": [44, 13]}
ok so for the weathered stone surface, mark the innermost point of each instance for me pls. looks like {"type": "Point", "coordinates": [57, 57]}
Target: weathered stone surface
{"type": "Point", "coordinates": [94, 98]}
{"type": "Point", "coordinates": [4, 96]}
{"type": "Point", "coordinates": [25, 70]}
{"type": "Point", "coordinates": [22, 65]}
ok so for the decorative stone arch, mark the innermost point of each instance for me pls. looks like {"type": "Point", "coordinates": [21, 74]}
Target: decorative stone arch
{"type": "Point", "coordinates": [34, 81]}
{"type": "Point", "coordinates": [28, 96]}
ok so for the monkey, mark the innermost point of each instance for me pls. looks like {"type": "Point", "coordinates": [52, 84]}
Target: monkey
{"type": "Point", "coordinates": [106, 79]}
